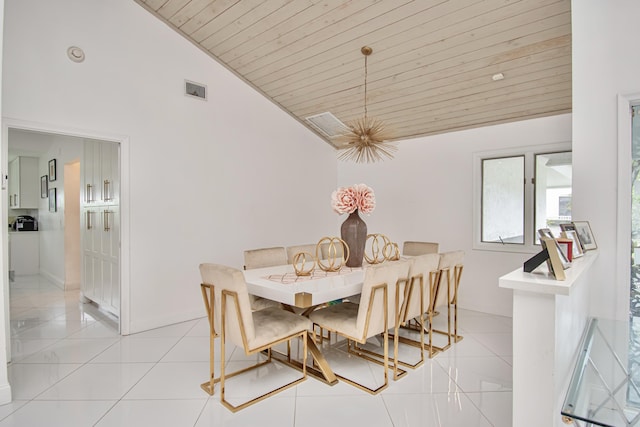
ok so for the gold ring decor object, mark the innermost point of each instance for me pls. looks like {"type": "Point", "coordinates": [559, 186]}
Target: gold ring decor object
{"type": "Point", "coordinates": [378, 243]}
{"type": "Point", "coordinates": [301, 262]}
{"type": "Point", "coordinates": [335, 260]}
{"type": "Point", "coordinates": [391, 251]}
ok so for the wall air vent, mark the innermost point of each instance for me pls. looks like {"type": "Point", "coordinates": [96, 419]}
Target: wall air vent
{"type": "Point", "coordinates": [328, 124]}
{"type": "Point", "coordinates": [195, 90]}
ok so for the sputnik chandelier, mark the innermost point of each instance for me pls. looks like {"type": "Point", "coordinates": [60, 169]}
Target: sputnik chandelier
{"type": "Point", "coordinates": [366, 140]}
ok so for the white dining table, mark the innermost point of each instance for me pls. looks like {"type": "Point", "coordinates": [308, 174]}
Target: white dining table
{"type": "Point", "coordinates": [280, 283]}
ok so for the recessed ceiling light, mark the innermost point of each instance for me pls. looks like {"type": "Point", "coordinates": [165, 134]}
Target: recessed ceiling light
{"type": "Point", "coordinates": [75, 54]}
{"type": "Point", "coordinates": [497, 77]}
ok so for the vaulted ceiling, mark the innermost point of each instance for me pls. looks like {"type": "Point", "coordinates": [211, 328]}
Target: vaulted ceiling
{"type": "Point", "coordinates": [435, 65]}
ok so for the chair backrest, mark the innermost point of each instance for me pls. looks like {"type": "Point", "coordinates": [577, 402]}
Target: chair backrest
{"type": "Point", "coordinates": [265, 257]}
{"type": "Point", "coordinates": [424, 269]}
{"type": "Point", "coordinates": [449, 263]}
{"type": "Point", "coordinates": [324, 247]}
{"type": "Point", "coordinates": [229, 279]}
{"type": "Point", "coordinates": [382, 274]}
{"type": "Point", "coordinates": [293, 250]}
{"type": "Point", "coordinates": [419, 248]}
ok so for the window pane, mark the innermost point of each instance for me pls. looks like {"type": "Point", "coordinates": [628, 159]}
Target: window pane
{"type": "Point", "coordinates": [553, 191]}
{"type": "Point", "coordinates": [503, 200]}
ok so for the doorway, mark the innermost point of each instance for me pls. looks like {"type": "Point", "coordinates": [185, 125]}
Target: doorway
{"type": "Point", "coordinates": [60, 247]}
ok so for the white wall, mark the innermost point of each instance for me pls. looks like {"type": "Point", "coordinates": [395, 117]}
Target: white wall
{"type": "Point", "coordinates": [426, 193]}
{"type": "Point", "coordinates": [5, 388]}
{"type": "Point", "coordinates": [72, 239]}
{"type": "Point", "coordinates": [51, 224]}
{"type": "Point", "coordinates": [604, 66]}
{"type": "Point", "coordinates": [203, 180]}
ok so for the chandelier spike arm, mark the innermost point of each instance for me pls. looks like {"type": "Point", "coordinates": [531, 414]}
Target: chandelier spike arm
{"type": "Point", "coordinates": [367, 139]}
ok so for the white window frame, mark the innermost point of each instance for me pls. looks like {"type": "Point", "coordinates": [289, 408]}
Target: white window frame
{"type": "Point", "coordinates": [529, 153]}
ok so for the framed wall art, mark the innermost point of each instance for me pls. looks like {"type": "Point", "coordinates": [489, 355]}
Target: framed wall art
{"type": "Point", "coordinates": [53, 204]}
{"type": "Point", "coordinates": [44, 186]}
{"type": "Point", "coordinates": [52, 170]}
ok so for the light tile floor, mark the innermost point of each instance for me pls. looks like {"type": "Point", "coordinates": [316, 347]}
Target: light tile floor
{"type": "Point", "coordinates": [71, 368]}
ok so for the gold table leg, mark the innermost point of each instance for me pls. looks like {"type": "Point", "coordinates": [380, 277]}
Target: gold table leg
{"type": "Point", "coordinates": [320, 369]}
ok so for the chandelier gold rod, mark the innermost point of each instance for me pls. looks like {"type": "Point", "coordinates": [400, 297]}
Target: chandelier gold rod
{"type": "Point", "coordinates": [365, 86]}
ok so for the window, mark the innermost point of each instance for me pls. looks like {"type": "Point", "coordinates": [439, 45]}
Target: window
{"type": "Point", "coordinates": [518, 193]}
{"type": "Point", "coordinates": [503, 200]}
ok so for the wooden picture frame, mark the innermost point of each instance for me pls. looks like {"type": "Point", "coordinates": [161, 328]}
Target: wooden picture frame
{"type": "Point", "coordinates": [53, 203]}
{"type": "Point", "coordinates": [583, 229]}
{"type": "Point", "coordinates": [545, 232]}
{"type": "Point", "coordinates": [52, 170]}
{"type": "Point", "coordinates": [44, 186]}
{"type": "Point", "coordinates": [556, 263]}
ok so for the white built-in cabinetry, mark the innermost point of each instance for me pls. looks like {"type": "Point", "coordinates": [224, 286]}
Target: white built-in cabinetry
{"type": "Point", "coordinates": [24, 186]}
{"type": "Point", "coordinates": [24, 252]}
{"type": "Point", "coordinates": [100, 222]}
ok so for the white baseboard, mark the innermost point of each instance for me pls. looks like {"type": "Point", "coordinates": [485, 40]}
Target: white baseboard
{"type": "Point", "coordinates": [69, 286]}
{"type": "Point", "coordinates": [5, 394]}
{"type": "Point", "coordinates": [55, 279]}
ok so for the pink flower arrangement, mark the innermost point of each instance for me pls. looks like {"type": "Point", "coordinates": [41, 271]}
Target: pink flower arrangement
{"type": "Point", "coordinates": [348, 199]}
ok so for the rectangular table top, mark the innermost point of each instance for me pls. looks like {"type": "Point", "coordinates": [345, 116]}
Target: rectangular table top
{"type": "Point", "coordinates": [281, 284]}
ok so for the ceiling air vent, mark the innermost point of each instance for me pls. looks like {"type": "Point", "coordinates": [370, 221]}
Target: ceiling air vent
{"type": "Point", "coordinates": [195, 90]}
{"type": "Point", "coordinates": [328, 124]}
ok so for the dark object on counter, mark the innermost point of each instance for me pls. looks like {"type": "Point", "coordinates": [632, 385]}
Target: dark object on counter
{"type": "Point", "coordinates": [25, 223]}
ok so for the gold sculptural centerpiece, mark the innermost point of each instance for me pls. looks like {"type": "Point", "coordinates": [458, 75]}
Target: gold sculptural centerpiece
{"type": "Point", "coordinates": [303, 263]}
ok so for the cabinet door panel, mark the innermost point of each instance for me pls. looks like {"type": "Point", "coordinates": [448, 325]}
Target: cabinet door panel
{"type": "Point", "coordinates": [110, 233]}
{"type": "Point", "coordinates": [109, 172]}
{"type": "Point", "coordinates": [88, 288]}
{"type": "Point", "coordinates": [92, 183]}
{"type": "Point", "coordinates": [110, 286]}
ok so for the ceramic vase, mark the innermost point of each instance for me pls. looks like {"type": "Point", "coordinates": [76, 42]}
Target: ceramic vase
{"type": "Point", "coordinates": [354, 233]}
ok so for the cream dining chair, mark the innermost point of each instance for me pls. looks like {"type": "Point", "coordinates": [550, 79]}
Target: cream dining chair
{"type": "Point", "coordinates": [358, 322]}
{"type": "Point", "coordinates": [293, 250]}
{"type": "Point", "coordinates": [396, 302]}
{"type": "Point", "coordinates": [264, 257]}
{"type": "Point", "coordinates": [451, 265]}
{"type": "Point", "coordinates": [420, 300]}
{"type": "Point", "coordinates": [419, 248]}
{"type": "Point", "coordinates": [228, 309]}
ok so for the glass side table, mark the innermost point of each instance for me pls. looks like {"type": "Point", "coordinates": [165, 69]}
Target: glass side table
{"type": "Point", "coordinates": [604, 388]}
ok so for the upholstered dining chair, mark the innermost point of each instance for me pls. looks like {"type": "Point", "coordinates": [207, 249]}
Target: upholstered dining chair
{"type": "Point", "coordinates": [419, 248]}
{"type": "Point", "coordinates": [395, 306]}
{"type": "Point", "coordinates": [264, 257]}
{"type": "Point", "coordinates": [451, 265]}
{"type": "Point", "coordinates": [358, 322]}
{"type": "Point", "coordinates": [293, 250]}
{"type": "Point", "coordinates": [325, 249]}
{"type": "Point", "coordinates": [228, 309]}
{"type": "Point", "coordinates": [420, 300]}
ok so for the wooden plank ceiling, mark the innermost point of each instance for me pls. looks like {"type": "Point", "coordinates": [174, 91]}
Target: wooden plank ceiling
{"type": "Point", "coordinates": [432, 64]}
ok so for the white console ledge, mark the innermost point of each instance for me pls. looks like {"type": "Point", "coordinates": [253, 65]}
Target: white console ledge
{"type": "Point", "coordinates": [548, 319]}
{"type": "Point", "coordinates": [542, 281]}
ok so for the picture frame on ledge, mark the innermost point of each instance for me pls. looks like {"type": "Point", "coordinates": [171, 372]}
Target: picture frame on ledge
{"type": "Point", "coordinates": [557, 261]}
{"type": "Point", "coordinates": [545, 232]}
{"type": "Point", "coordinates": [577, 246]}
{"type": "Point", "coordinates": [583, 229]}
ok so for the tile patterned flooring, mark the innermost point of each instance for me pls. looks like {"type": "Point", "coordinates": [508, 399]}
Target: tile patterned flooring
{"type": "Point", "coordinates": [71, 368]}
